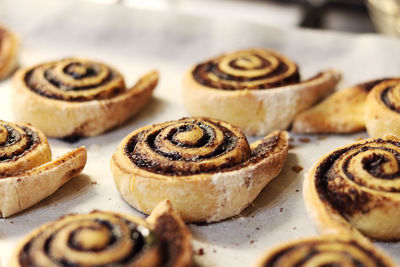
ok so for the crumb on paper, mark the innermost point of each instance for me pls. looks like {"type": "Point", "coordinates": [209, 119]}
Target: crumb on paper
{"type": "Point", "coordinates": [294, 228]}
{"type": "Point", "coordinates": [323, 137]}
{"type": "Point", "coordinates": [281, 209]}
{"type": "Point", "coordinates": [304, 140]}
{"type": "Point", "coordinates": [200, 252]}
{"type": "Point", "coordinates": [297, 190]}
{"type": "Point", "coordinates": [94, 183]}
{"type": "Point", "coordinates": [257, 228]}
{"type": "Point", "coordinates": [297, 168]}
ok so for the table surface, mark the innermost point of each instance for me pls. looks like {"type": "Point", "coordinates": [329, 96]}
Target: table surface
{"type": "Point", "coordinates": [137, 40]}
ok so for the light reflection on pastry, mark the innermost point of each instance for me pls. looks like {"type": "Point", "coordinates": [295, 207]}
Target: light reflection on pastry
{"type": "Point", "coordinates": [382, 109]}
{"type": "Point", "coordinates": [27, 174]}
{"type": "Point", "coordinates": [77, 97]}
{"type": "Point", "coordinates": [8, 52]}
{"type": "Point", "coordinates": [356, 188]}
{"type": "Point", "coordinates": [341, 112]}
{"type": "Point", "coordinates": [329, 250]}
{"type": "Point", "coordinates": [258, 90]}
{"type": "Point", "coordinates": [109, 239]}
{"type": "Point", "coordinates": [205, 167]}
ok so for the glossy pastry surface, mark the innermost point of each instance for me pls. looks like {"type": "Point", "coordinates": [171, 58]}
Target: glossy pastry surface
{"type": "Point", "coordinates": [205, 167]}
{"type": "Point", "coordinates": [8, 52]}
{"type": "Point", "coordinates": [258, 90]}
{"type": "Point", "coordinates": [108, 239]}
{"type": "Point", "coordinates": [325, 251]}
{"type": "Point", "coordinates": [27, 174]}
{"type": "Point", "coordinates": [356, 189]}
{"type": "Point", "coordinates": [77, 97]}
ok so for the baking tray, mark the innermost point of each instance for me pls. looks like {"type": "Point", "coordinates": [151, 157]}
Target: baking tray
{"type": "Point", "coordinates": [135, 41]}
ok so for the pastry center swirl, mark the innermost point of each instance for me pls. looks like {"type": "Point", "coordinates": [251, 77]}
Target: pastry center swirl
{"type": "Point", "coordinates": [391, 97]}
{"type": "Point", "coordinates": [96, 239]}
{"type": "Point", "coordinates": [325, 253]}
{"type": "Point", "coordinates": [15, 141]}
{"type": "Point", "coordinates": [74, 80]}
{"type": "Point", "coordinates": [252, 69]}
{"type": "Point", "coordinates": [188, 146]}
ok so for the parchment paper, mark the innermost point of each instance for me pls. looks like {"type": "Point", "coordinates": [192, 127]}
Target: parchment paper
{"type": "Point", "coordinates": [135, 42]}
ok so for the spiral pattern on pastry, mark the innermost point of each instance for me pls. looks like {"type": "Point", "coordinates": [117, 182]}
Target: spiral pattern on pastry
{"type": "Point", "coordinates": [247, 69]}
{"type": "Point", "coordinates": [8, 52]}
{"type": "Point", "coordinates": [325, 251]}
{"type": "Point", "coordinates": [190, 162]}
{"type": "Point", "coordinates": [76, 97]}
{"type": "Point", "coordinates": [27, 174]}
{"type": "Point", "coordinates": [258, 90]}
{"type": "Point", "coordinates": [358, 186]}
{"type": "Point", "coordinates": [382, 110]}
{"type": "Point", "coordinates": [108, 239]}
{"type": "Point", "coordinates": [188, 146]}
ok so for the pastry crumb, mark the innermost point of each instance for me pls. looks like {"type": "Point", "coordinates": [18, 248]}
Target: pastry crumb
{"type": "Point", "coordinates": [297, 168]}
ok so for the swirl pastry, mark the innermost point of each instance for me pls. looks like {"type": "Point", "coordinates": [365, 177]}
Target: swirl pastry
{"type": "Point", "coordinates": [27, 174]}
{"type": "Point", "coordinates": [257, 89]}
{"type": "Point", "coordinates": [8, 52]}
{"type": "Point", "coordinates": [382, 109]}
{"type": "Point", "coordinates": [108, 239]}
{"type": "Point", "coordinates": [76, 97]}
{"type": "Point", "coordinates": [341, 112]}
{"type": "Point", "coordinates": [325, 251]}
{"type": "Point", "coordinates": [204, 166]}
{"type": "Point", "coordinates": [356, 189]}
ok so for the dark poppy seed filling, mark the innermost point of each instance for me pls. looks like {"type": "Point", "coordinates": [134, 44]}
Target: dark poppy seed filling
{"type": "Point", "coordinates": [329, 253]}
{"type": "Point", "coordinates": [379, 159]}
{"type": "Point", "coordinates": [187, 147]}
{"type": "Point", "coordinates": [74, 80]}
{"type": "Point", "coordinates": [388, 99]}
{"type": "Point", "coordinates": [247, 70]}
{"type": "Point", "coordinates": [105, 240]}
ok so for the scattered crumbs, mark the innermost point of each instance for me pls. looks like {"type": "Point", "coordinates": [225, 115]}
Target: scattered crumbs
{"type": "Point", "coordinates": [214, 250]}
{"type": "Point", "coordinates": [11, 222]}
{"type": "Point", "coordinates": [359, 138]}
{"type": "Point", "coordinates": [297, 168]}
{"type": "Point", "coordinates": [248, 236]}
{"type": "Point", "coordinates": [94, 183]}
{"type": "Point", "coordinates": [322, 137]}
{"type": "Point", "coordinates": [281, 209]}
{"type": "Point", "coordinates": [291, 146]}
{"type": "Point", "coordinates": [200, 252]}
{"type": "Point", "coordinates": [257, 228]}
{"type": "Point", "coordinates": [109, 198]}
{"type": "Point", "coordinates": [304, 140]}
{"type": "Point", "coordinates": [297, 190]}
{"type": "Point", "coordinates": [291, 139]}
{"type": "Point", "coordinates": [252, 241]}
{"type": "Point", "coordinates": [294, 228]}
{"type": "Point", "coordinates": [252, 216]}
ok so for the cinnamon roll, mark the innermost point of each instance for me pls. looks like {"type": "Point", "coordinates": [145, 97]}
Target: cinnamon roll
{"type": "Point", "coordinates": [27, 174]}
{"type": "Point", "coordinates": [341, 112]}
{"type": "Point", "coordinates": [204, 166]}
{"type": "Point", "coordinates": [382, 109]}
{"type": "Point", "coordinates": [325, 251]}
{"type": "Point", "coordinates": [356, 188]}
{"type": "Point", "coordinates": [77, 97]}
{"type": "Point", "coordinates": [258, 90]}
{"type": "Point", "coordinates": [108, 239]}
{"type": "Point", "coordinates": [8, 52]}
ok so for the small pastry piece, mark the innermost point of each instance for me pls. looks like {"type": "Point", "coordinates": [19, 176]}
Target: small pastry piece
{"type": "Point", "coordinates": [382, 109]}
{"type": "Point", "coordinates": [204, 166]}
{"type": "Point", "coordinates": [356, 188]}
{"type": "Point", "coordinates": [341, 112]}
{"type": "Point", "coordinates": [27, 174]}
{"type": "Point", "coordinates": [326, 251]}
{"type": "Point", "coordinates": [108, 239]}
{"type": "Point", "coordinates": [8, 52]}
{"type": "Point", "coordinates": [77, 97]}
{"type": "Point", "coordinates": [257, 89]}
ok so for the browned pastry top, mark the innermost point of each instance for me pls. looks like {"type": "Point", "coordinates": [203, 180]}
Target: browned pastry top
{"type": "Point", "coordinates": [247, 69]}
{"type": "Point", "coordinates": [74, 79]}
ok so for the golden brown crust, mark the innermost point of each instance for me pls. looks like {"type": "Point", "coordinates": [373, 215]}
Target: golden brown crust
{"type": "Point", "coordinates": [27, 174]}
{"type": "Point", "coordinates": [8, 52]}
{"type": "Point", "coordinates": [355, 189]}
{"type": "Point", "coordinates": [77, 97]}
{"type": "Point", "coordinates": [341, 112]}
{"type": "Point", "coordinates": [108, 239]}
{"type": "Point", "coordinates": [328, 250]}
{"type": "Point", "coordinates": [246, 89]}
{"type": "Point", "coordinates": [221, 179]}
{"type": "Point", "coordinates": [382, 109]}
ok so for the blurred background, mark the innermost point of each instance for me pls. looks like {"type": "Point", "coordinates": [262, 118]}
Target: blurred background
{"type": "Point", "coordinates": [357, 16]}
